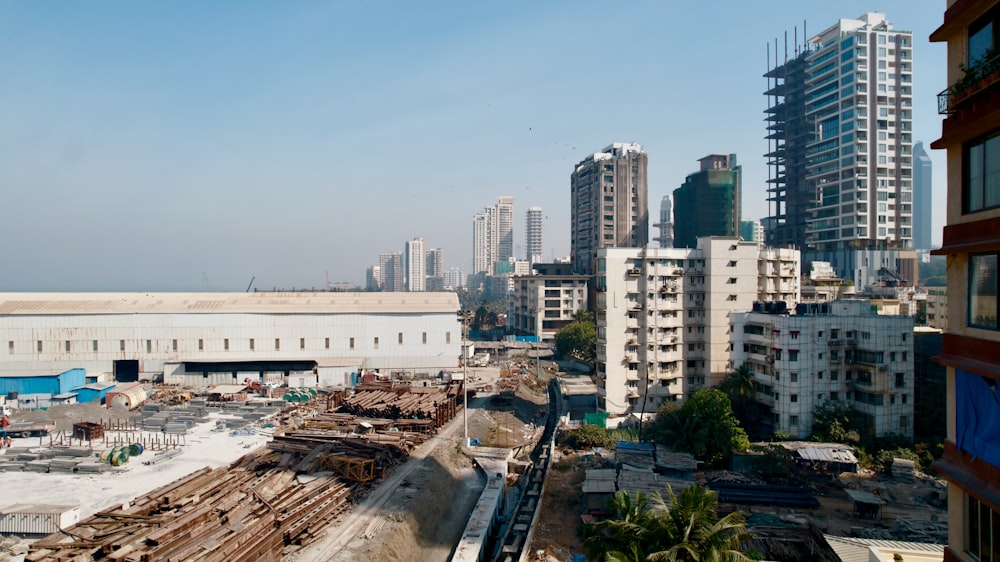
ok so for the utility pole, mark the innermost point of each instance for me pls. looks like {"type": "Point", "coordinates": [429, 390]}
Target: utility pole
{"type": "Point", "coordinates": [464, 314]}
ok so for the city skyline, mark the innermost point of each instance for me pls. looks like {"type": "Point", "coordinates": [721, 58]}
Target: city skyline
{"type": "Point", "coordinates": [197, 147]}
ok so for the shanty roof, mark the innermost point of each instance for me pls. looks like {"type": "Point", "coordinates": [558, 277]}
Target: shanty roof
{"type": "Point", "coordinates": [850, 549]}
{"type": "Point", "coordinates": [861, 496]}
{"type": "Point", "coordinates": [827, 454]}
{"type": "Point", "coordinates": [37, 508]}
{"type": "Point", "coordinates": [35, 304]}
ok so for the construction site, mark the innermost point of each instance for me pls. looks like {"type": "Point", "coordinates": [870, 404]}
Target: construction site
{"type": "Point", "coordinates": [377, 472]}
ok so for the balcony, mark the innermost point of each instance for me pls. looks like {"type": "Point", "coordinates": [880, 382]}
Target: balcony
{"type": "Point", "coordinates": [634, 272]}
{"type": "Point", "coordinates": [981, 75]}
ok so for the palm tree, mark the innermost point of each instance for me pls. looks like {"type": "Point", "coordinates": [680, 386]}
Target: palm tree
{"type": "Point", "coordinates": [682, 528]}
{"type": "Point", "coordinates": [696, 531]}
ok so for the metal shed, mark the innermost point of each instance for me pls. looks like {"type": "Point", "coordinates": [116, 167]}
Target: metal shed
{"type": "Point", "coordinates": [37, 519]}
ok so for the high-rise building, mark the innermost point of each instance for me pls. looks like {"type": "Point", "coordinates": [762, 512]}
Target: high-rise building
{"type": "Point", "coordinates": [415, 261]}
{"type": "Point", "coordinates": [533, 234]}
{"type": "Point", "coordinates": [609, 206]}
{"type": "Point", "coordinates": [971, 136]}
{"type": "Point", "coordinates": [752, 231]}
{"type": "Point", "coordinates": [666, 224]}
{"type": "Point", "coordinates": [435, 262]}
{"type": "Point", "coordinates": [710, 198]}
{"type": "Point", "coordinates": [493, 236]}
{"type": "Point", "coordinates": [391, 272]}
{"type": "Point", "coordinates": [454, 279]}
{"type": "Point", "coordinates": [922, 198]}
{"type": "Point", "coordinates": [844, 108]}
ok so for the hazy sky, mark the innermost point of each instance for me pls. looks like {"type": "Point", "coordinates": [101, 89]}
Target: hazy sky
{"type": "Point", "coordinates": [195, 145]}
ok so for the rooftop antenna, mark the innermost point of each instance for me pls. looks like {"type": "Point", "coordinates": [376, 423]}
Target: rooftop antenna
{"type": "Point", "coordinates": [251, 283]}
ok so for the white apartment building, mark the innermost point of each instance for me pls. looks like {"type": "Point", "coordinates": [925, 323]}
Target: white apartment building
{"type": "Point", "coordinates": [415, 266]}
{"type": "Point", "coordinates": [663, 315]}
{"type": "Point", "coordinates": [541, 304]}
{"type": "Point", "coordinates": [839, 351]}
{"type": "Point", "coordinates": [533, 234]}
{"type": "Point", "coordinates": [859, 104]}
{"type": "Point", "coordinates": [493, 236]}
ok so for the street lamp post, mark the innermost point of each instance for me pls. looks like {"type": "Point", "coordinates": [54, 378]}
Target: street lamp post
{"type": "Point", "coordinates": [465, 378]}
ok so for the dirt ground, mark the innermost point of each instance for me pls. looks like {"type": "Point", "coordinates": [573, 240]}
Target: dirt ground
{"type": "Point", "coordinates": [559, 518]}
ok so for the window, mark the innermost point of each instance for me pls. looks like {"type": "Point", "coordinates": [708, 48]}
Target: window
{"type": "Point", "coordinates": [982, 538]}
{"type": "Point", "coordinates": [731, 281]}
{"type": "Point", "coordinates": [834, 395]}
{"type": "Point", "coordinates": [149, 346]}
{"type": "Point", "coordinates": [277, 344]}
{"type": "Point", "coordinates": [399, 337]}
{"type": "Point", "coordinates": [10, 347]}
{"type": "Point", "coordinates": [376, 343]}
{"type": "Point", "coordinates": [67, 346]}
{"type": "Point", "coordinates": [981, 37]}
{"type": "Point", "coordinates": [351, 343]}
{"type": "Point", "coordinates": [327, 343]}
{"type": "Point", "coordinates": [981, 175]}
{"type": "Point", "coordinates": [834, 375]}
{"type": "Point", "coordinates": [794, 377]}
{"type": "Point", "coordinates": [793, 355]}
{"type": "Point", "coordinates": [225, 344]}
{"type": "Point", "coordinates": [173, 345]}
{"type": "Point", "coordinates": [302, 343]}
{"type": "Point", "coordinates": [121, 345]}
{"type": "Point", "coordinates": [794, 398]}
{"type": "Point", "coordinates": [251, 344]}
{"type": "Point", "coordinates": [201, 345]}
{"type": "Point", "coordinates": [447, 337]}
{"type": "Point", "coordinates": [424, 337]}
{"type": "Point", "coordinates": [983, 291]}
{"type": "Point", "coordinates": [793, 420]}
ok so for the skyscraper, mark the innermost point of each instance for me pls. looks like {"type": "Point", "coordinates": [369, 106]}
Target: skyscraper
{"type": "Point", "coordinates": [710, 198]}
{"type": "Point", "coordinates": [843, 107]}
{"type": "Point", "coordinates": [922, 194]}
{"type": "Point", "coordinates": [493, 236]}
{"type": "Point", "coordinates": [533, 234]}
{"type": "Point", "coordinates": [391, 271]}
{"type": "Point", "coordinates": [609, 207]}
{"type": "Point", "coordinates": [666, 224]}
{"type": "Point", "coordinates": [414, 263]}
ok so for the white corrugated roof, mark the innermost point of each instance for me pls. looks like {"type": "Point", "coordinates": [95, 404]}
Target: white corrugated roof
{"type": "Point", "coordinates": [851, 549]}
{"type": "Point", "coordinates": [30, 304]}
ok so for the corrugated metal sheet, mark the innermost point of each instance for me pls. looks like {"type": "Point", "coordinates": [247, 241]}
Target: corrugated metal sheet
{"type": "Point", "coordinates": [37, 519]}
{"type": "Point", "coordinates": [36, 304]}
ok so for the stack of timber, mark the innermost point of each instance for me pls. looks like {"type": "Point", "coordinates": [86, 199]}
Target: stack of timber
{"type": "Point", "coordinates": [245, 512]}
{"type": "Point", "coordinates": [356, 459]}
{"type": "Point", "coordinates": [386, 400]}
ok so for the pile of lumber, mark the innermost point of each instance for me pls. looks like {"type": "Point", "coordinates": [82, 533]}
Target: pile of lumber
{"type": "Point", "coordinates": [313, 450]}
{"type": "Point", "coordinates": [400, 401]}
{"type": "Point", "coordinates": [247, 511]}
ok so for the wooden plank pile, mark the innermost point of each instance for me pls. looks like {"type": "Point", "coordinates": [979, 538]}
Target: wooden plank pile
{"type": "Point", "coordinates": [314, 447]}
{"type": "Point", "coordinates": [383, 400]}
{"type": "Point", "coordinates": [245, 512]}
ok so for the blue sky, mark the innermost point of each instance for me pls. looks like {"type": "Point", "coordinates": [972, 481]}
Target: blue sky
{"type": "Point", "coordinates": [180, 145]}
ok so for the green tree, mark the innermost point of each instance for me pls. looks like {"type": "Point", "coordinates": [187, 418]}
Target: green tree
{"type": "Point", "coordinates": [685, 527]}
{"type": "Point", "coordinates": [578, 339]}
{"type": "Point", "coordinates": [838, 422]}
{"type": "Point", "coordinates": [742, 392]}
{"type": "Point", "coordinates": [704, 426]}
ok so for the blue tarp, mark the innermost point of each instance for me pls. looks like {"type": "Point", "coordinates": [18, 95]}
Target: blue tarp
{"type": "Point", "coordinates": [977, 417]}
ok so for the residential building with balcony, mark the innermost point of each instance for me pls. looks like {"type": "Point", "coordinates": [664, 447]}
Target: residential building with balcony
{"type": "Point", "coordinates": [662, 315]}
{"type": "Point", "coordinates": [828, 352]}
{"type": "Point", "coordinates": [543, 303]}
{"type": "Point", "coordinates": [970, 349]}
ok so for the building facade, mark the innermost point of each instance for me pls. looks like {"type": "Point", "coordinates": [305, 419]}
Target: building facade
{"type": "Point", "coordinates": [533, 235]}
{"type": "Point", "coordinates": [923, 201]}
{"type": "Point", "coordinates": [859, 100]}
{"type": "Point", "coordinates": [210, 338]}
{"type": "Point", "coordinates": [840, 139]}
{"type": "Point", "coordinates": [710, 198]}
{"type": "Point", "coordinates": [493, 236]}
{"type": "Point", "coordinates": [970, 350]}
{"type": "Point", "coordinates": [666, 224]}
{"type": "Point", "coordinates": [415, 262]}
{"type": "Point", "coordinates": [662, 315]}
{"type": "Point", "coordinates": [608, 195]}
{"type": "Point", "coordinates": [831, 352]}
{"type": "Point", "coordinates": [543, 303]}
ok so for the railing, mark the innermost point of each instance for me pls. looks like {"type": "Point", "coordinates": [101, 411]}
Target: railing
{"type": "Point", "coordinates": [979, 76]}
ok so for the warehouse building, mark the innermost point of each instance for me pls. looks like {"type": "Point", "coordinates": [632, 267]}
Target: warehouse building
{"type": "Point", "coordinates": [310, 338]}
